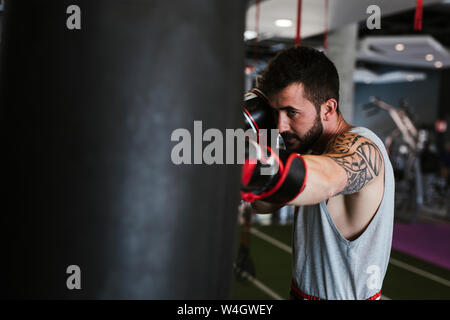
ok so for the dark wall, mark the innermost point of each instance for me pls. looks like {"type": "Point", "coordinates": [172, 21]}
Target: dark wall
{"type": "Point", "coordinates": [444, 96]}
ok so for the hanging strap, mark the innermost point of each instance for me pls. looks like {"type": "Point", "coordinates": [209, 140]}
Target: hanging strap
{"type": "Point", "coordinates": [299, 20]}
{"type": "Point", "coordinates": [418, 15]}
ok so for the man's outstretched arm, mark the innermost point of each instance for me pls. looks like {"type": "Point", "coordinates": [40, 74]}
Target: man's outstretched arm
{"type": "Point", "coordinates": [350, 163]}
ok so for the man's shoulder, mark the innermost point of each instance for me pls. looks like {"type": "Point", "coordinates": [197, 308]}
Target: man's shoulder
{"type": "Point", "coordinates": [349, 142]}
{"type": "Point", "coordinates": [360, 158]}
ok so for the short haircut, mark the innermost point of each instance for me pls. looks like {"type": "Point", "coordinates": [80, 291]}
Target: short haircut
{"type": "Point", "coordinates": [305, 65]}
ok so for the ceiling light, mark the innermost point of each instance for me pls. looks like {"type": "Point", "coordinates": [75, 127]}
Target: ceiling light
{"type": "Point", "coordinates": [399, 47]}
{"type": "Point", "coordinates": [429, 57]}
{"type": "Point", "coordinates": [438, 64]}
{"type": "Point", "coordinates": [410, 77]}
{"type": "Point", "coordinates": [283, 23]}
{"type": "Point", "coordinates": [250, 34]}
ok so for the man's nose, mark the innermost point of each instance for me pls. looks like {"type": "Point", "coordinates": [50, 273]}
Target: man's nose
{"type": "Point", "coordinates": [282, 122]}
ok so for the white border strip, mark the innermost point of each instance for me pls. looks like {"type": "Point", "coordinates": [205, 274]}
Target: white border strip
{"type": "Point", "coordinates": [271, 240]}
{"type": "Point", "coordinates": [261, 286]}
{"type": "Point", "coordinates": [420, 272]}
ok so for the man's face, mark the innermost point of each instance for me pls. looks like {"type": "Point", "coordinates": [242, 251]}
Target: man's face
{"type": "Point", "coordinates": [298, 121]}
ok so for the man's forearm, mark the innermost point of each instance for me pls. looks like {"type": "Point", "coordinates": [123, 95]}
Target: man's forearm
{"type": "Point", "coordinates": [265, 207]}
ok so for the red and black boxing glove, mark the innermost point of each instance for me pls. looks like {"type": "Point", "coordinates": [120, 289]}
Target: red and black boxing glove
{"type": "Point", "coordinates": [258, 114]}
{"type": "Point", "coordinates": [274, 176]}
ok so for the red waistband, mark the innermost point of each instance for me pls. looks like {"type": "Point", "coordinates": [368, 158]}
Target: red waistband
{"type": "Point", "coordinates": [300, 294]}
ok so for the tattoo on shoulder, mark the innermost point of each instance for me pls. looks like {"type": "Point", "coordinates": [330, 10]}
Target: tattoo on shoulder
{"type": "Point", "coordinates": [342, 143]}
{"type": "Point", "coordinates": [362, 165]}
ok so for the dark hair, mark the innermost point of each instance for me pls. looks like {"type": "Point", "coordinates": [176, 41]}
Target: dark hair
{"type": "Point", "coordinates": [304, 65]}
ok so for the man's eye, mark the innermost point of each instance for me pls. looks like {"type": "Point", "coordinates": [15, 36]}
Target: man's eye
{"type": "Point", "coordinates": [292, 113]}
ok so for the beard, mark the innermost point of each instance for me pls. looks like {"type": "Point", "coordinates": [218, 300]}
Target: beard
{"type": "Point", "coordinates": [294, 143]}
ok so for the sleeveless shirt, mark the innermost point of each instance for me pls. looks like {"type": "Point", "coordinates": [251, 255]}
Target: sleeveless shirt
{"type": "Point", "coordinates": [328, 266]}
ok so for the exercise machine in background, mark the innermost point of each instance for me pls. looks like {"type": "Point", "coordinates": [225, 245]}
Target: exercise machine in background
{"type": "Point", "coordinates": [418, 191]}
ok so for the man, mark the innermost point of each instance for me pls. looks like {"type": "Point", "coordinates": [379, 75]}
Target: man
{"type": "Point", "coordinates": [339, 175]}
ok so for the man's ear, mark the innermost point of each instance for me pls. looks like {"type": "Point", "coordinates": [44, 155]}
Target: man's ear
{"type": "Point", "coordinates": [328, 109]}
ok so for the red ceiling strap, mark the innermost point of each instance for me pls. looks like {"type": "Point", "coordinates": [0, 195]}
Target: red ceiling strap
{"type": "Point", "coordinates": [418, 15]}
{"type": "Point", "coordinates": [299, 22]}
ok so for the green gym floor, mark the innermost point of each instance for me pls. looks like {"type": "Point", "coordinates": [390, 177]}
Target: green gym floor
{"type": "Point", "coordinates": [407, 277]}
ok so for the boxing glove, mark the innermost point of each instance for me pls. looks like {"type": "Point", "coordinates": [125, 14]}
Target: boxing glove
{"type": "Point", "coordinates": [272, 175]}
{"type": "Point", "coordinates": [257, 111]}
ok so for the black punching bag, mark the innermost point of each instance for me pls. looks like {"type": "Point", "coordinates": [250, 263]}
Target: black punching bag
{"type": "Point", "coordinates": [91, 92]}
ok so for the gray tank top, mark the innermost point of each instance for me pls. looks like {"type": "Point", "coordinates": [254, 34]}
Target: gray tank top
{"type": "Point", "coordinates": [328, 266]}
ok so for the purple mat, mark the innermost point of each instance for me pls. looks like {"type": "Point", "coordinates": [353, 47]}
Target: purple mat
{"type": "Point", "coordinates": [429, 242]}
